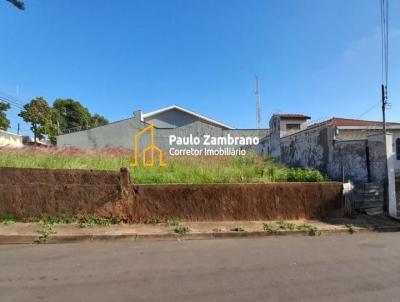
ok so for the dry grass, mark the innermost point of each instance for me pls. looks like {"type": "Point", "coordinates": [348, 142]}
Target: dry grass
{"type": "Point", "coordinates": [249, 168]}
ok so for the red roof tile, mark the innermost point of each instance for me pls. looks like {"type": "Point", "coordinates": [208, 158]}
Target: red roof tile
{"type": "Point", "coordinates": [353, 122]}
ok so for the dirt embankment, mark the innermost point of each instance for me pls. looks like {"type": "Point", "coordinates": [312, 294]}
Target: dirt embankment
{"type": "Point", "coordinates": [35, 192]}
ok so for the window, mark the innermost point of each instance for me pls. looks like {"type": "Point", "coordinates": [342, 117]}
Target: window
{"type": "Point", "coordinates": [398, 149]}
{"type": "Point", "coordinates": [292, 126]}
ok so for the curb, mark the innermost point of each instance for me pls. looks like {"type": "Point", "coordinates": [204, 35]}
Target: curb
{"type": "Point", "coordinates": [53, 239]}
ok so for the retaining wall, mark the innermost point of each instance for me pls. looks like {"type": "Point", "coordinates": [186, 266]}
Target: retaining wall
{"type": "Point", "coordinates": [36, 192]}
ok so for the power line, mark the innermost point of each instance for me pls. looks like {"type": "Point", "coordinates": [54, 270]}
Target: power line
{"type": "Point", "coordinates": [385, 40]}
{"type": "Point", "coordinates": [8, 101]}
{"type": "Point", "coordinates": [385, 58]}
{"type": "Point", "coordinates": [12, 98]}
{"type": "Point", "coordinates": [368, 110]}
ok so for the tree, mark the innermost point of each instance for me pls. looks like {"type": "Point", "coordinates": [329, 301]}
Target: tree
{"type": "Point", "coordinates": [72, 114]}
{"type": "Point", "coordinates": [51, 128]}
{"type": "Point", "coordinates": [4, 121]}
{"type": "Point", "coordinates": [17, 3]}
{"type": "Point", "coordinates": [98, 120]}
{"type": "Point", "coordinates": [38, 113]}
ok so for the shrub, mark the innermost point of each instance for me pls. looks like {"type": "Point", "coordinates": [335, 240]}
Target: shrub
{"type": "Point", "coordinates": [181, 229]}
{"type": "Point", "coordinates": [310, 229]}
{"type": "Point", "coordinates": [45, 232]}
{"type": "Point", "coordinates": [92, 221]}
{"type": "Point", "coordinates": [8, 219]}
{"type": "Point", "coordinates": [173, 222]}
{"type": "Point", "coordinates": [306, 175]}
{"type": "Point", "coordinates": [63, 219]}
{"type": "Point", "coordinates": [271, 227]}
{"type": "Point", "coordinates": [286, 225]}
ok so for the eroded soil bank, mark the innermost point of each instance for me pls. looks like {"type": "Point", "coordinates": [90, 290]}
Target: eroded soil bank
{"type": "Point", "coordinates": [36, 192]}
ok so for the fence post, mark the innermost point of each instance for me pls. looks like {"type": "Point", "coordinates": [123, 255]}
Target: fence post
{"type": "Point", "coordinates": [125, 180]}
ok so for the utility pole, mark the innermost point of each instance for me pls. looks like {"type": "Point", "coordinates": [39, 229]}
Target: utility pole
{"type": "Point", "coordinates": [384, 104]}
{"type": "Point", "coordinates": [384, 90]}
{"type": "Point", "coordinates": [258, 105]}
{"type": "Point", "coordinates": [386, 179]}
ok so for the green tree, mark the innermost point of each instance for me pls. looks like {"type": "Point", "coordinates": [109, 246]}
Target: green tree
{"type": "Point", "coordinates": [72, 114]}
{"type": "Point", "coordinates": [98, 120]}
{"type": "Point", "coordinates": [17, 3]}
{"type": "Point", "coordinates": [4, 121]}
{"type": "Point", "coordinates": [51, 127]}
{"type": "Point", "coordinates": [39, 114]}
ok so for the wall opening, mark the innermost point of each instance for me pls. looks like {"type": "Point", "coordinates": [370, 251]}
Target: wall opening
{"type": "Point", "coordinates": [398, 149]}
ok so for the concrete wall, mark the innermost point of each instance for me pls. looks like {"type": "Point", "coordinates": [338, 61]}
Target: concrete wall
{"type": "Point", "coordinates": [395, 135]}
{"type": "Point", "coordinates": [354, 134]}
{"type": "Point", "coordinates": [308, 148]}
{"type": "Point", "coordinates": [360, 161]}
{"type": "Point", "coordinates": [318, 148]}
{"type": "Point", "coordinates": [274, 137]}
{"type": "Point", "coordinates": [10, 139]}
{"type": "Point", "coordinates": [120, 134]}
{"type": "Point", "coordinates": [348, 159]}
{"type": "Point", "coordinates": [377, 158]}
{"type": "Point", "coordinates": [264, 147]}
{"type": "Point", "coordinates": [284, 124]}
{"type": "Point", "coordinates": [337, 152]}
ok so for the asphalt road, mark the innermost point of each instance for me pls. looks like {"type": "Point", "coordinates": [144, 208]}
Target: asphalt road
{"type": "Point", "coordinates": [361, 267]}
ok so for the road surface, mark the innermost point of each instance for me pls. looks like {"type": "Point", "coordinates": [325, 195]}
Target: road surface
{"type": "Point", "coordinates": [360, 267]}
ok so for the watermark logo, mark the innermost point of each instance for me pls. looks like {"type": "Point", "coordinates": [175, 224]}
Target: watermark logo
{"type": "Point", "coordinates": [149, 152]}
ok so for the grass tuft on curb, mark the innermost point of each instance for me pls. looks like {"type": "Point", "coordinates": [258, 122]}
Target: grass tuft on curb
{"type": "Point", "coordinates": [181, 229]}
{"type": "Point", "coordinates": [351, 228]}
{"type": "Point", "coordinates": [45, 232]}
{"type": "Point", "coordinates": [90, 221]}
{"type": "Point", "coordinates": [287, 226]}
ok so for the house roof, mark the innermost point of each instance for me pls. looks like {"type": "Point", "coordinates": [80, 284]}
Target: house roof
{"type": "Point", "coordinates": [335, 121]}
{"type": "Point", "coordinates": [294, 116]}
{"type": "Point", "coordinates": [351, 123]}
{"type": "Point", "coordinates": [176, 107]}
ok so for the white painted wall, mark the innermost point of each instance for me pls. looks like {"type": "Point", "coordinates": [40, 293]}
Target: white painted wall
{"type": "Point", "coordinates": [390, 156]}
{"type": "Point", "coordinates": [10, 139]}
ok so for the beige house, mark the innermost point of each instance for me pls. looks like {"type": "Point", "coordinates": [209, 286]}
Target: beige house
{"type": "Point", "coordinates": [10, 139]}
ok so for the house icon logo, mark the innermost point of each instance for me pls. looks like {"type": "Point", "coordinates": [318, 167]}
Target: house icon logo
{"type": "Point", "coordinates": [150, 151]}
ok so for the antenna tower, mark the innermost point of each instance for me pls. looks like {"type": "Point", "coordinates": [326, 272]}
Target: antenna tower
{"type": "Point", "coordinates": [258, 105]}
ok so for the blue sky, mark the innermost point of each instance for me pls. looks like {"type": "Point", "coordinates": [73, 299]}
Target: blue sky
{"type": "Point", "coordinates": [317, 57]}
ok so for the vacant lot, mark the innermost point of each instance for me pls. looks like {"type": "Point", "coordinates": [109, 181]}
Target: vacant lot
{"type": "Point", "coordinates": [249, 168]}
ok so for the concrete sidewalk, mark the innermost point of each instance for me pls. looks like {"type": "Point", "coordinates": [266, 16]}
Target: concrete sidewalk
{"type": "Point", "coordinates": [63, 233]}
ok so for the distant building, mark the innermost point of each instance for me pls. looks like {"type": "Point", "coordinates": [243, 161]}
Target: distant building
{"type": "Point", "coordinates": [30, 141]}
{"type": "Point", "coordinates": [172, 120]}
{"type": "Point", "coordinates": [8, 139]}
{"type": "Point", "coordinates": [340, 147]}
